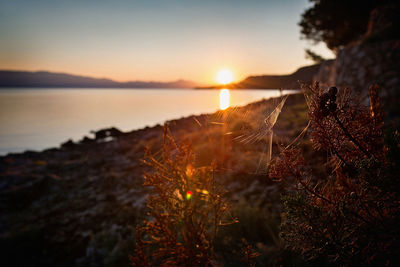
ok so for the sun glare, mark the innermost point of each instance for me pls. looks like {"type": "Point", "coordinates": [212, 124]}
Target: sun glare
{"type": "Point", "coordinates": [224, 76]}
{"type": "Point", "coordinates": [224, 99]}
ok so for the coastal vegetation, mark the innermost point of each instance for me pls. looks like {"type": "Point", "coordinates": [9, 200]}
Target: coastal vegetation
{"type": "Point", "coordinates": [347, 217]}
{"type": "Point", "coordinates": [227, 192]}
{"type": "Point", "coordinates": [339, 210]}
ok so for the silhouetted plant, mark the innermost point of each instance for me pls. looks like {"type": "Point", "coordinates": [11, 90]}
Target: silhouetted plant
{"type": "Point", "coordinates": [186, 209]}
{"type": "Point", "coordinates": [339, 22]}
{"type": "Point", "coordinates": [350, 217]}
{"type": "Point", "coordinates": [316, 58]}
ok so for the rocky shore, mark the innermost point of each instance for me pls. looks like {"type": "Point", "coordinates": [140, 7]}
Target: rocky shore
{"type": "Point", "coordinates": [78, 205]}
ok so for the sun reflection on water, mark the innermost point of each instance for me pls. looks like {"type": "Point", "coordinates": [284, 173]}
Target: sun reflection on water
{"type": "Point", "coordinates": [224, 96]}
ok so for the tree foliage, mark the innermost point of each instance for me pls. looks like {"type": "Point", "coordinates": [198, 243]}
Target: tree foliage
{"type": "Point", "coordinates": [337, 22]}
{"type": "Point", "coordinates": [313, 56]}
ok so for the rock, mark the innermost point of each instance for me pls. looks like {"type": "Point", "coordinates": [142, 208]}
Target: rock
{"type": "Point", "coordinates": [68, 144]}
{"type": "Point", "coordinates": [365, 64]}
{"type": "Point", "coordinates": [104, 133]}
{"type": "Point", "coordinates": [86, 141]}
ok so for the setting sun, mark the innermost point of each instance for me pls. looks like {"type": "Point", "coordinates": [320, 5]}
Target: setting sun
{"type": "Point", "coordinates": [224, 76]}
{"type": "Point", "coordinates": [224, 99]}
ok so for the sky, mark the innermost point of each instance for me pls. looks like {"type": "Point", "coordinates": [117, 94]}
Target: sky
{"type": "Point", "coordinates": [154, 40]}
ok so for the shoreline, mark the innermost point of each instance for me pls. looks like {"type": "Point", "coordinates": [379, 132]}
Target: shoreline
{"type": "Point", "coordinates": [67, 197]}
{"type": "Point", "coordinates": [51, 138]}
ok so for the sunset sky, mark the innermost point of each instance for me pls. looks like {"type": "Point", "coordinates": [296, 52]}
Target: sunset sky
{"type": "Point", "coordinates": [153, 40]}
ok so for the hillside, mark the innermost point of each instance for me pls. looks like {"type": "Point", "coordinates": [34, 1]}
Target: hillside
{"type": "Point", "coordinates": [289, 81]}
{"type": "Point", "coordinates": [63, 80]}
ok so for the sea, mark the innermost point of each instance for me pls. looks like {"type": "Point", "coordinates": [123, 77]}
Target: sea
{"type": "Point", "coordinates": [37, 119]}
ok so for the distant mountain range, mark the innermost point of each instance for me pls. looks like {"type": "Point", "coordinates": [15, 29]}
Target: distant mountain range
{"type": "Point", "coordinates": [63, 80]}
{"type": "Point", "coordinates": [289, 81]}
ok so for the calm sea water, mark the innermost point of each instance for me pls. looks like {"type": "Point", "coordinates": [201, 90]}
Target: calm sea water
{"type": "Point", "coordinates": [35, 119]}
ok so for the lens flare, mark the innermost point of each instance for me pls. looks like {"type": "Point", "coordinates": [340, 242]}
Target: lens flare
{"type": "Point", "coordinates": [224, 96]}
{"type": "Point", "coordinates": [189, 195]}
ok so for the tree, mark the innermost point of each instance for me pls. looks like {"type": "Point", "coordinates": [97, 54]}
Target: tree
{"type": "Point", "coordinates": [337, 22]}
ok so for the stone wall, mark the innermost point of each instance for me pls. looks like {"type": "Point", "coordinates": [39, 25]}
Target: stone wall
{"type": "Point", "coordinates": [362, 65]}
{"type": "Point", "coordinates": [359, 66]}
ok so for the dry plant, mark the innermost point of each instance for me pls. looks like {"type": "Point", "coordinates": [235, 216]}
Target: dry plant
{"type": "Point", "coordinates": [186, 209]}
{"type": "Point", "coordinates": [350, 217]}
{"type": "Point", "coordinates": [249, 255]}
{"type": "Point", "coordinates": [266, 129]}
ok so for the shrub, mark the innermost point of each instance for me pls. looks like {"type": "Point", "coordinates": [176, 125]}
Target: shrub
{"type": "Point", "coordinates": [186, 209]}
{"type": "Point", "coordinates": [351, 216]}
